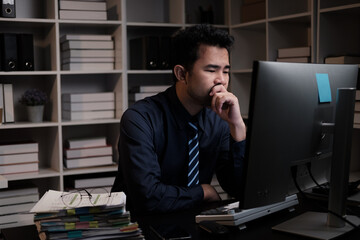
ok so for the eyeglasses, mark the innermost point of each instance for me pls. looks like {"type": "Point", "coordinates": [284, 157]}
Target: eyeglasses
{"type": "Point", "coordinates": [94, 196]}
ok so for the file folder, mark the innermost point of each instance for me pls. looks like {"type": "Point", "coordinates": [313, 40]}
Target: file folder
{"type": "Point", "coordinates": [8, 51]}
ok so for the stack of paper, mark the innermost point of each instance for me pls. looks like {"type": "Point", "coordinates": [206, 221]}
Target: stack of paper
{"type": "Point", "coordinates": [82, 10]}
{"type": "Point", "coordinates": [55, 220]}
{"type": "Point", "coordinates": [87, 152]}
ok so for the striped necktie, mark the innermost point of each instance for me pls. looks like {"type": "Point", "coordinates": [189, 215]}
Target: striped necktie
{"type": "Point", "coordinates": [193, 167]}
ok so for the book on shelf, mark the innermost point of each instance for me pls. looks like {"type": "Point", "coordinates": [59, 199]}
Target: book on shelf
{"type": "Point", "coordinates": [16, 189]}
{"type": "Point", "coordinates": [88, 152]}
{"type": "Point", "coordinates": [86, 44]}
{"type": "Point", "coordinates": [356, 117]}
{"type": "Point", "coordinates": [88, 97]}
{"type": "Point", "coordinates": [81, 5]}
{"type": "Point", "coordinates": [88, 53]}
{"type": "Point", "coordinates": [294, 59]}
{"type": "Point", "coordinates": [19, 168]}
{"type": "Point", "coordinates": [149, 89]}
{"type": "Point", "coordinates": [93, 182]}
{"type": "Point", "coordinates": [8, 103]}
{"type": "Point", "coordinates": [16, 208]}
{"type": "Point", "coordinates": [89, 37]}
{"type": "Point", "coordinates": [88, 106]}
{"type": "Point", "coordinates": [357, 106]}
{"type": "Point", "coordinates": [343, 60]}
{"type": "Point", "coordinates": [19, 158]}
{"type": "Point", "coordinates": [19, 199]}
{"type": "Point", "coordinates": [88, 66]}
{"type": "Point", "coordinates": [74, 143]}
{"type": "Point", "coordinates": [88, 115]}
{"type": "Point", "coordinates": [88, 60]}
{"type": "Point", "coordinates": [18, 147]}
{"type": "Point", "coordinates": [89, 161]}
{"type": "Point", "coordinates": [133, 97]}
{"type": "Point", "coordinates": [294, 52]}
{"type": "Point", "coordinates": [252, 11]}
{"type": "Point", "coordinates": [82, 15]}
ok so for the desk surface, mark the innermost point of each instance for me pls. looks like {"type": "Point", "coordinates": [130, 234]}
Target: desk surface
{"type": "Point", "coordinates": [257, 229]}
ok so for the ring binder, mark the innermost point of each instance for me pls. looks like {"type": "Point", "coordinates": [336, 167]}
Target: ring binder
{"type": "Point", "coordinates": [8, 8]}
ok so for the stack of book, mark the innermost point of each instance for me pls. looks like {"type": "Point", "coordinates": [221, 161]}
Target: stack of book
{"type": "Point", "coordinates": [87, 152]}
{"type": "Point", "coordinates": [82, 10]}
{"type": "Point", "coordinates": [87, 52]}
{"type": "Point", "coordinates": [22, 157]}
{"type": "Point", "coordinates": [345, 59]}
{"type": "Point", "coordinates": [140, 92]}
{"type": "Point", "coordinates": [15, 204]}
{"type": "Point", "coordinates": [88, 106]}
{"type": "Point", "coordinates": [357, 108]}
{"type": "Point", "coordinates": [296, 54]}
{"type": "Point", "coordinates": [110, 220]}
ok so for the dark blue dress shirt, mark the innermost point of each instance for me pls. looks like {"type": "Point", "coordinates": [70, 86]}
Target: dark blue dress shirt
{"type": "Point", "coordinates": [153, 155]}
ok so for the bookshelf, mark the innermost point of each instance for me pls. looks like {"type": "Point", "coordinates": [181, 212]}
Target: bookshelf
{"type": "Point", "coordinates": [285, 24]}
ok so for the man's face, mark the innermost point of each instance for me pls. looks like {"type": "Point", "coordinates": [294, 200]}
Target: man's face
{"type": "Point", "coordinates": [212, 68]}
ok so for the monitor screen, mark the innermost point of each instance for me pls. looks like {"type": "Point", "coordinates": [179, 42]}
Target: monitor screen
{"type": "Point", "coordinates": [288, 104]}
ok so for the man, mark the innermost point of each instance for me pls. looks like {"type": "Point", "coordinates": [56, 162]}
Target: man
{"type": "Point", "coordinates": [154, 132]}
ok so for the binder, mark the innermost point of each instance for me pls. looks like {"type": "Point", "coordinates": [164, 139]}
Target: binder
{"type": "Point", "coordinates": [165, 53]}
{"type": "Point", "coordinates": [8, 103]}
{"type": "Point", "coordinates": [25, 50]}
{"type": "Point", "coordinates": [144, 53]}
{"type": "Point", "coordinates": [8, 49]}
{"type": "Point", "coordinates": [8, 8]}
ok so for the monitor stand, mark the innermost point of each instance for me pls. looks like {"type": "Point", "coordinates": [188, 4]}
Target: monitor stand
{"type": "Point", "coordinates": [314, 225]}
{"type": "Point", "coordinates": [326, 225]}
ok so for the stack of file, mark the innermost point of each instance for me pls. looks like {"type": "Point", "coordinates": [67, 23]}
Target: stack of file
{"type": "Point", "coordinates": [82, 10]}
{"type": "Point", "coordinates": [88, 106]}
{"type": "Point", "coordinates": [19, 157]}
{"type": "Point", "coordinates": [87, 152]}
{"type": "Point", "coordinates": [15, 204]}
{"type": "Point", "coordinates": [109, 219]}
{"type": "Point", "coordinates": [87, 52]}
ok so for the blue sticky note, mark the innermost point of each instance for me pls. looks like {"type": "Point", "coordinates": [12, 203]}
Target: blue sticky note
{"type": "Point", "coordinates": [324, 89]}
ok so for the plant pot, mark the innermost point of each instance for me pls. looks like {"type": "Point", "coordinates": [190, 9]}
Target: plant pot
{"type": "Point", "coordinates": [35, 113]}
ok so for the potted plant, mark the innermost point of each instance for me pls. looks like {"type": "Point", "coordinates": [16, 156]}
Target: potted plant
{"type": "Point", "coordinates": [34, 100]}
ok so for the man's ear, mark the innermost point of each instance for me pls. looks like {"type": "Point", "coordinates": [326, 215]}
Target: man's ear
{"type": "Point", "coordinates": [180, 73]}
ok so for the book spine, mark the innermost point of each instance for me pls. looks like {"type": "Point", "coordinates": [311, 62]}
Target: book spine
{"type": "Point", "coordinates": [8, 103]}
{"type": "Point", "coordinates": [88, 97]}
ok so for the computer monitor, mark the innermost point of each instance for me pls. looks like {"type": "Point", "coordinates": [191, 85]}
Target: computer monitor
{"type": "Point", "coordinates": [292, 107]}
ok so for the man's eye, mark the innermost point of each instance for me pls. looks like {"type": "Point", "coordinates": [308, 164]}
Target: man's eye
{"type": "Point", "coordinates": [226, 72]}
{"type": "Point", "coordinates": [210, 70]}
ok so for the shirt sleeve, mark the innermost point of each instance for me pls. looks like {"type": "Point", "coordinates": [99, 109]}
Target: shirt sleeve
{"type": "Point", "coordinates": [230, 166]}
{"type": "Point", "coordinates": [141, 171]}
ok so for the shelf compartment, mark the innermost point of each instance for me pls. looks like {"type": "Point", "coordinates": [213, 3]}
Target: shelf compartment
{"type": "Point", "coordinates": [278, 8]}
{"type": "Point", "coordinates": [250, 45]}
{"type": "Point", "coordinates": [46, 83]}
{"type": "Point", "coordinates": [240, 85]}
{"type": "Point", "coordinates": [43, 9]}
{"type": "Point", "coordinates": [205, 11]}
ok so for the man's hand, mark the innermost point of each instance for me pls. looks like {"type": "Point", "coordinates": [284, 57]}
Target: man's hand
{"type": "Point", "coordinates": [226, 105]}
{"type": "Point", "coordinates": [210, 194]}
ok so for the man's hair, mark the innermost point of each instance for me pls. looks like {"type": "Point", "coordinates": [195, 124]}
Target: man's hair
{"type": "Point", "coordinates": [186, 43]}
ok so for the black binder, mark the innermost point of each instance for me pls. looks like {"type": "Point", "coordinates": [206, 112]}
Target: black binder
{"type": "Point", "coordinates": [144, 53]}
{"type": "Point", "coordinates": [8, 8]}
{"type": "Point", "coordinates": [8, 47]}
{"type": "Point", "coordinates": [165, 52]}
{"type": "Point", "coordinates": [25, 50]}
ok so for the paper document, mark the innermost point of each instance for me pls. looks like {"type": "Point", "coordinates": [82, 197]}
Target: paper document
{"type": "Point", "coordinates": [52, 201]}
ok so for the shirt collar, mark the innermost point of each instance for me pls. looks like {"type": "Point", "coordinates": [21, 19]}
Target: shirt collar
{"type": "Point", "coordinates": [181, 115]}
